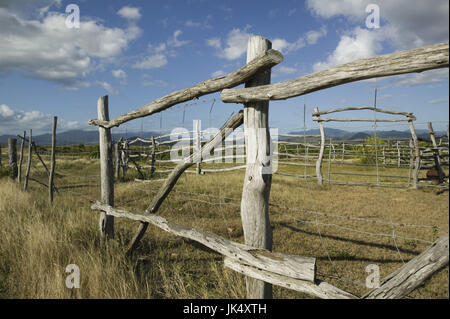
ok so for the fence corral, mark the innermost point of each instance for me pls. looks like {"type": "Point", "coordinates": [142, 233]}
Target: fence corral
{"type": "Point", "coordinates": [256, 260]}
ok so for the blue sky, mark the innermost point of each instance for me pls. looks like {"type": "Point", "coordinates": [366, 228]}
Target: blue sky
{"type": "Point", "coordinates": [138, 51]}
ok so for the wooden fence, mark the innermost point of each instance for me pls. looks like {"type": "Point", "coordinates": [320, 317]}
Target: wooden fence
{"type": "Point", "coordinates": [150, 156]}
{"type": "Point", "coordinates": [255, 259]}
{"type": "Point", "coordinates": [16, 168]}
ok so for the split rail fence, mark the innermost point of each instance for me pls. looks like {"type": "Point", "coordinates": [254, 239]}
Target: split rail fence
{"type": "Point", "coordinates": [254, 258]}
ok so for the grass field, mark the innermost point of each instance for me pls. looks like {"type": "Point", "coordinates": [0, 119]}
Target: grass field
{"type": "Point", "coordinates": [38, 240]}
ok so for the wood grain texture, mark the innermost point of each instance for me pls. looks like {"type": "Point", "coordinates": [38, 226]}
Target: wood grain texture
{"type": "Point", "coordinates": [297, 267]}
{"type": "Point", "coordinates": [407, 278]}
{"type": "Point", "coordinates": [318, 288]}
{"type": "Point", "coordinates": [358, 108]}
{"type": "Point", "coordinates": [417, 60]}
{"type": "Point", "coordinates": [321, 152]}
{"type": "Point", "coordinates": [19, 170]}
{"type": "Point", "coordinates": [53, 161]}
{"type": "Point", "coordinates": [416, 155]}
{"type": "Point", "coordinates": [263, 62]}
{"type": "Point", "coordinates": [30, 149]}
{"type": "Point", "coordinates": [106, 223]}
{"type": "Point", "coordinates": [330, 119]}
{"type": "Point", "coordinates": [257, 180]}
{"type": "Point", "coordinates": [12, 154]}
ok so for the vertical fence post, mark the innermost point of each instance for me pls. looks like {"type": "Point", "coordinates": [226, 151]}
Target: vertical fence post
{"type": "Point", "coordinates": [117, 160]}
{"type": "Point", "coordinates": [27, 174]}
{"type": "Point", "coordinates": [53, 161]}
{"type": "Point", "coordinates": [416, 155]}
{"type": "Point", "coordinates": [152, 169]}
{"type": "Point", "coordinates": [12, 152]}
{"type": "Point", "coordinates": [398, 155]}
{"type": "Point", "coordinates": [124, 158]}
{"type": "Point", "coordinates": [106, 222]}
{"type": "Point", "coordinates": [257, 182]}
{"type": "Point", "coordinates": [343, 151]}
{"type": "Point", "coordinates": [322, 149]}
{"type": "Point", "coordinates": [197, 142]}
{"type": "Point", "coordinates": [19, 171]}
{"type": "Point", "coordinates": [411, 160]}
{"type": "Point", "coordinates": [329, 162]}
{"type": "Point", "coordinates": [437, 158]}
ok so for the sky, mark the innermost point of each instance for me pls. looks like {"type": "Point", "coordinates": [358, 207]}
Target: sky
{"type": "Point", "coordinates": [138, 51]}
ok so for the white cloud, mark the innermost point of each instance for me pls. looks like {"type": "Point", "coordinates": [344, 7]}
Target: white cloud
{"type": "Point", "coordinates": [311, 37]}
{"type": "Point", "coordinates": [14, 121]}
{"type": "Point", "coordinates": [175, 42]}
{"type": "Point", "coordinates": [129, 13]}
{"type": "Point", "coordinates": [160, 52]}
{"type": "Point", "coordinates": [108, 87]}
{"type": "Point", "coordinates": [235, 44]}
{"type": "Point", "coordinates": [408, 23]}
{"type": "Point", "coordinates": [120, 74]}
{"type": "Point", "coordinates": [360, 43]}
{"type": "Point", "coordinates": [152, 62]}
{"type": "Point", "coordinates": [204, 25]}
{"type": "Point", "coordinates": [432, 76]}
{"type": "Point", "coordinates": [314, 35]}
{"type": "Point", "coordinates": [46, 49]}
{"type": "Point", "coordinates": [214, 42]}
{"type": "Point", "coordinates": [218, 73]}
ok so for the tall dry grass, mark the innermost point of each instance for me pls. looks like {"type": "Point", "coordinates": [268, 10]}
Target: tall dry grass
{"type": "Point", "coordinates": [38, 242]}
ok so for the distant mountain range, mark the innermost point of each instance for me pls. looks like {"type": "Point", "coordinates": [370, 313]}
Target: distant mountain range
{"type": "Point", "coordinates": [91, 137]}
{"type": "Point", "coordinates": [338, 134]}
{"type": "Point", "coordinates": [73, 137]}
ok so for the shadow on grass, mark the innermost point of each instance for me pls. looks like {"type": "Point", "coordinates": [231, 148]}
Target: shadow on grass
{"type": "Point", "coordinates": [354, 241]}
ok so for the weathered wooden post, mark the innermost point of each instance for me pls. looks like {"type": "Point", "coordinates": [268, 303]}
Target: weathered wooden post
{"type": "Point", "coordinates": [117, 160]}
{"type": "Point", "coordinates": [12, 152]}
{"type": "Point", "coordinates": [411, 160]}
{"type": "Point", "coordinates": [334, 152]}
{"type": "Point", "coordinates": [322, 147]}
{"type": "Point", "coordinates": [53, 161]}
{"type": "Point", "coordinates": [398, 155]}
{"type": "Point", "coordinates": [437, 158]}
{"type": "Point", "coordinates": [152, 163]}
{"type": "Point", "coordinates": [416, 154]}
{"type": "Point", "coordinates": [343, 151]}
{"type": "Point", "coordinates": [384, 156]}
{"type": "Point", "coordinates": [106, 222]}
{"type": "Point", "coordinates": [257, 182]}
{"type": "Point", "coordinates": [22, 145]}
{"type": "Point", "coordinates": [197, 142]}
{"type": "Point", "coordinates": [27, 173]}
{"type": "Point", "coordinates": [329, 162]}
{"type": "Point", "coordinates": [124, 158]}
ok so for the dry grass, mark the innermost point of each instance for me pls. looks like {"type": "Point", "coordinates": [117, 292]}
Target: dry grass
{"type": "Point", "coordinates": [39, 241]}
